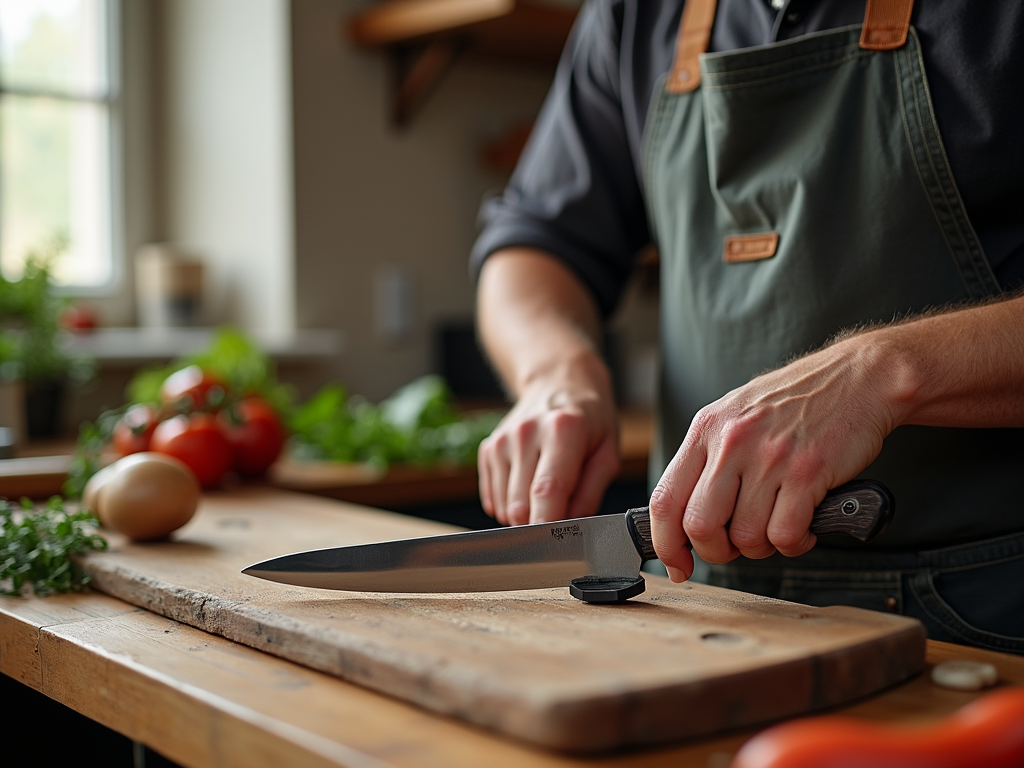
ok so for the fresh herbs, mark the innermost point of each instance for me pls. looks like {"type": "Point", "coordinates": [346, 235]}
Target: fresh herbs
{"type": "Point", "coordinates": [37, 545]}
{"type": "Point", "coordinates": [418, 424]}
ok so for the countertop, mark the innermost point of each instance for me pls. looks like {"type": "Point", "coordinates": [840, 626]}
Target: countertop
{"type": "Point", "coordinates": [203, 701]}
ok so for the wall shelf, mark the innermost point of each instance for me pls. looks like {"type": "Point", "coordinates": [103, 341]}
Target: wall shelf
{"type": "Point", "coordinates": [425, 37]}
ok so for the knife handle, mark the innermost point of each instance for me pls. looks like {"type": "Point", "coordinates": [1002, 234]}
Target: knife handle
{"type": "Point", "coordinates": [861, 509]}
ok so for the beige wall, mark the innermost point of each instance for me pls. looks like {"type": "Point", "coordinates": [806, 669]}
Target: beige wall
{"type": "Point", "coordinates": [226, 153]}
{"type": "Point", "coordinates": [271, 155]}
{"type": "Point", "coordinates": [276, 163]}
{"type": "Point", "coordinates": [369, 195]}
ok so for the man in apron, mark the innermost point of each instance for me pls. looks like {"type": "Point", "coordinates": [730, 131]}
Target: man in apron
{"type": "Point", "coordinates": [837, 293]}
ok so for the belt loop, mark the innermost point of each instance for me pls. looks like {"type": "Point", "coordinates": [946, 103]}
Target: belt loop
{"type": "Point", "coordinates": [691, 42]}
{"type": "Point", "coordinates": [886, 24]}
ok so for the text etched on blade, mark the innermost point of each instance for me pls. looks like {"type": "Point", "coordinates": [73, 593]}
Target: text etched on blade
{"type": "Point", "coordinates": [566, 530]}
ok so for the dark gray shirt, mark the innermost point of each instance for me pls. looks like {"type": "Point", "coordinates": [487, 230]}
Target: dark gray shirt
{"type": "Point", "coordinates": [577, 189]}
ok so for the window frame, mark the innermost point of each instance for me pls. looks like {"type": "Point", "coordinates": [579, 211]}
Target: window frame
{"type": "Point", "coordinates": [112, 100]}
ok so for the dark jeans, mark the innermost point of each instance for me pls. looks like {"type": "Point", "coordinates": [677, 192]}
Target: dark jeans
{"type": "Point", "coordinates": [972, 594]}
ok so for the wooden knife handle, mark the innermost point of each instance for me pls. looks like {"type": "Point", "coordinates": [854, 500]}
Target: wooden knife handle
{"type": "Point", "coordinates": [861, 509]}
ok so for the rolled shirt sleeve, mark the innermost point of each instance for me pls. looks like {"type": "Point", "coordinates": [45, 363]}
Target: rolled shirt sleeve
{"type": "Point", "coordinates": [575, 192]}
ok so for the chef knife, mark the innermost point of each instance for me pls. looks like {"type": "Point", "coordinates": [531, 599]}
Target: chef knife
{"type": "Point", "coordinates": [598, 558]}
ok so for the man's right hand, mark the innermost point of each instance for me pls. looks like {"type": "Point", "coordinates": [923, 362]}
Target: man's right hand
{"type": "Point", "coordinates": [556, 451]}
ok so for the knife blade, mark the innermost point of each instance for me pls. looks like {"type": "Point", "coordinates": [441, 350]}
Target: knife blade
{"type": "Point", "coordinates": [598, 558]}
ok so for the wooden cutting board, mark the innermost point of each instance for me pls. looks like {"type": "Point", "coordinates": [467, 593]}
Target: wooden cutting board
{"type": "Point", "coordinates": [679, 661]}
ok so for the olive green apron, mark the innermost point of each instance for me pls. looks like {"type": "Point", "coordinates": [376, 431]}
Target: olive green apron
{"type": "Point", "coordinates": [795, 190]}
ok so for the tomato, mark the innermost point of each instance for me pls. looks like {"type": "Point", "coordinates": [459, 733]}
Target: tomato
{"type": "Point", "coordinates": [192, 389]}
{"type": "Point", "coordinates": [987, 733]}
{"type": "Point", "coordinates": [198, 441]}
{"type": "Point", "coordinates": [134, 430]}
{"type": "Point", "coordinates": [256, 433]}
{"type": "Point", "coordinates": [79, 318]}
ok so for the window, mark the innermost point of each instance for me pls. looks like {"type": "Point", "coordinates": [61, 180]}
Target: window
{"type": "Point", "coordinates": [57, 101]}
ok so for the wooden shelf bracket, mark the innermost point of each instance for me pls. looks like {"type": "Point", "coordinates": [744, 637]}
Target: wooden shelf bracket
{"type": "Point", "coordinates": [417, 71]}
{"type": "Point", "coordinates": [426, 37]}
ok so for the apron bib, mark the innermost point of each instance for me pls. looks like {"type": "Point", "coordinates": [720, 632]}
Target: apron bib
{"type": "Point", "coordinates": [796, 190]}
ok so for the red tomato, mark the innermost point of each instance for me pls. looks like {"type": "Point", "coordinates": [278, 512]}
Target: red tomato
{"type": "Point", "coordinates": [198, 442]}
{"type": "Point", "coordinates": [192, 389]}
{"type": "Point", "coordinates": [134, 429]}
{"type": "Point", "coordinates": [79, 318]}
{"type": "Point", "coordinates": [256, 433]}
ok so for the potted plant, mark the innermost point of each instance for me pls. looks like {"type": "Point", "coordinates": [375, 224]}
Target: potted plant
{"type": "Point", "coordinates": [30, 342]}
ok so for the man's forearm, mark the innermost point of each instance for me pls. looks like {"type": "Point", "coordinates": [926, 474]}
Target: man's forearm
{"type": "Point", "coordinates": [755, 462]}
{"type": "Point", "coordinates": [535, 318]}
{"type": "Point", "coordinates": [956, 369]}
{"type": "Point", "coordinates": [556, 451]}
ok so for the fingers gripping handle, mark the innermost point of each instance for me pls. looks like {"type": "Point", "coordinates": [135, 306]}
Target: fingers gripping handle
{"type": "Point", "coordinates": [861, 509]}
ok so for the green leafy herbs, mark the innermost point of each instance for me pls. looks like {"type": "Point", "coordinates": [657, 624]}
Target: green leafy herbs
{"type": "Point", "coordinates": [418, 424]}
{"type": "Point", "coordinates": [37, 545]}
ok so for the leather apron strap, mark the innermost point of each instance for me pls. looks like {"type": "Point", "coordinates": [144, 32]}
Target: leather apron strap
{"type": "Point", "coordinates": [886, 24]}
{"type": "Point", "coordinates": [692, 40]}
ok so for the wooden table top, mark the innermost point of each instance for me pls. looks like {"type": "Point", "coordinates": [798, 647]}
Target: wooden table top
{"type": "Point", "coordinates": [202, 700]}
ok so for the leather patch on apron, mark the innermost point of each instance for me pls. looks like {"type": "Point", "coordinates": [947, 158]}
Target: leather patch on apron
{"type": "Point", "coordinates": [750, 247]}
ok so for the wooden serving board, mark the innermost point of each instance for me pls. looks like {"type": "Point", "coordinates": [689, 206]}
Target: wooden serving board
{"type": "Point", "coordinates": [678, 661]}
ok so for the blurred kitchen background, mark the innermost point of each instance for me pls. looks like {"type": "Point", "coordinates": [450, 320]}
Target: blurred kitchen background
{"type": "Point", "coordinates": [307, 171]}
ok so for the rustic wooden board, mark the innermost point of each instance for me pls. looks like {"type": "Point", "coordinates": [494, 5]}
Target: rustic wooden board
{"type": "Point", "coordinates": [206, 702]}
{"type": "Point", "coordinates": [679, 661]}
